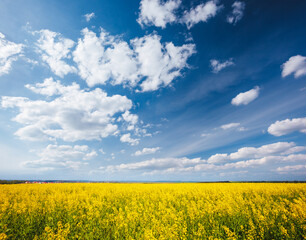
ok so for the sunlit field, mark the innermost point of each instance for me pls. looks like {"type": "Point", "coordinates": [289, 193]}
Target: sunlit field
{"type": "Point", "coordinates": [153, 211]}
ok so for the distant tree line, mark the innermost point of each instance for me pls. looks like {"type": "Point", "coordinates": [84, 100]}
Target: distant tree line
{"type": "Point", "coordinates": [12, 181]}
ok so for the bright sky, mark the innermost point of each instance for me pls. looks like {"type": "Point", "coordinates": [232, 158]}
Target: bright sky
{"type": "Point", "coordinates": [153, 90]}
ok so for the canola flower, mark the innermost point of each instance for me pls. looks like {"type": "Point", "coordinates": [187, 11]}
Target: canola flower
{"type": "Point", "coordinates": [153, 211]}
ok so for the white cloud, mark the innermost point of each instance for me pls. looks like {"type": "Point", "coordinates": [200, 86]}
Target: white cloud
{"type": "Point", "coordinates": [160, 63]}
{"type": "Point", "coordinates": [217, 66]}
{"type": "Point", "coordinates": [54, 49]}
{"type": "Point", "coordinates": [106, 58]}
{"type": "Point", "coordinates": [295, 65]}
{"type": "Point", "coordinates": [291, 168]}
{"type": "Point", "coordinates": [31, 61]}
{"type": "Point", "coordinates": [263, 151]}
{"type": "Point", "coordinates": [230, 125]}
{"type": "Point", "coordinates": [131, 118]}
{"type": "Point", "coordinates": [295, 157]}
{"type": "Point", "coordinates": [72, 115]}
{"type": "Point", "coordinates": [9, 52]}
{"type": "Point", "coordinates": [145, 61]}
{"type": "Point", "coordinates": [62, 156]}
{"type": "Point", "coordinates": [160, 13]}
{"type": "Point", "coordinates": [280, 128]}
{"type": "Point", "coordinates": [66, 152]}
{"type": "Point", "coordinates": [294, 150]}
{"type": "Point", "coordinates": [248, 157]}
{"type": "Point", "coordinates": [89, 16]}
{"type": "Point", "coordinates": [127, 138]}
{"type": "Point", "coordinates": [248, 163]}
{"type": "Point", "coordinates": [237, 13]}
{"type": "Point", "coordinates": [218, 158]}
{"type": "Point", "coordinates": [50, 88]}
{"type": "Point", "coordinates": [146, 151]}
{"type": "Point", "coordinates": [246, 97]}
{"type": "Point", "coordinates": [279, 148]}
{"type": "Point", "coordinates": [155, 164]}
{"type": "Point", "coordinates": [200, 13]}
{"type": "Point", "coordinates": [157, 13]}
{"type": "Point", "coordinates": [141, 132]}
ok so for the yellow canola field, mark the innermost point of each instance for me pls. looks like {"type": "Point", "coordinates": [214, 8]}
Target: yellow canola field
{"type": "Point", "coordinates": [153, 211]}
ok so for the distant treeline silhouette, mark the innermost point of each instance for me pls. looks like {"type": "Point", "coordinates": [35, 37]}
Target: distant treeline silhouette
{"type": "Point", "coordinates": [11, 181]}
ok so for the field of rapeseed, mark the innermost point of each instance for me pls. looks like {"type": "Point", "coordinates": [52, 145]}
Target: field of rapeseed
{"type": "Point", "coordinates": [153, 211]}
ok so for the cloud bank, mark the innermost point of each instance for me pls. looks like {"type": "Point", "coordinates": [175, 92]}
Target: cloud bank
{"type": "Point", "coordinates": [72, 114]}
{"type": "Point", "coordinates": [146, 60]}
{"type": "Point", "coordinates": [244, 158]}
{"type": "Point", "coordinates": [62, 156]}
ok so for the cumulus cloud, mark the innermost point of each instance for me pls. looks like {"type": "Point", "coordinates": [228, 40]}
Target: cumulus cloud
{"type": "Point", "coordinates": [72, 114]}
{"type": "Point", "coordinates": [9, 52]}
{"type": "Point", "coordinates": [157, 13]}
{"type": "Point", "coordinates": [295, 65]}
{"type": "Point", "coordinates": [237, 13]}
{"type": "Point", "coordinates": [246, 97]}
{"type": "Point", "coordinates": [160, 63]}
{"type": "Point", "coordinates": [127, 139]}
{"type": "Point", "coordinates": [107, 58]}
{"type": "Point", "coordinates": [247, 157]}
{"type": "Point", "coordinates": [278, 150]}
{"type": "Point", "coordinates": [130, 118]}
{"type": "Point", "coordinates": [280, 128]}
{"type": "Point", "coordinates": [49, 87]}
{"type": "Point", "coordinates": [66, 152]}
{"type": "Point", "coordinates": [89, 16]}
{"type": "Point", "coordinates": [263, 151]}
{"type": "Point", "coordinates": [217, 66]}
{"type": "Point", "coordinates": [54, 50]}
{"type": "Point", "coordinates": [146, 151]}
{"type": "Point", "coordinates": [62, 156]}
{"type": "Point", "coordinates": [99, 59]}
{"type": "Point", "coordinates": [104, 58]}
{"type": "Point", "coordinates": [200, 13]}
{"type": "Point", "coordinates": [218, 158]}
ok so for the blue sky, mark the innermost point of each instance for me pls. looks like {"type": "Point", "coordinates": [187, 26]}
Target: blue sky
{"type": "Point", "coordinates": [153, 90]}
